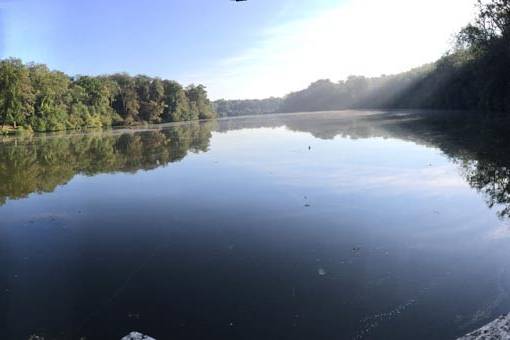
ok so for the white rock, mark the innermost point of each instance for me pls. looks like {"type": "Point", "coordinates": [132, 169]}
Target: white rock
{"type": "Point", "coordinates": [137, 336]}
{"type": "Point", "coordinates": [498, 329]}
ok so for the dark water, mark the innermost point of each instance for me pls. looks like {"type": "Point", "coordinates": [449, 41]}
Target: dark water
{"type": "Point", "coordinates": [310, 226]}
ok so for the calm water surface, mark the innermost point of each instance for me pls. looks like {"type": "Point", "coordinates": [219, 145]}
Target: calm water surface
{"type": "Point", "coordinates": [352, 225]}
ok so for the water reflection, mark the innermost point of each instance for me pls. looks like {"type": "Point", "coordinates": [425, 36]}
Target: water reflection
{"type": "Point", "coordinates": [40, 164]}
{"type": "Point", "coordinates": [481, 147]}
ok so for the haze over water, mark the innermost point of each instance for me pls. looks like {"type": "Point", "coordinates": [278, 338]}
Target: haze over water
{"type": "Point", "coordinates": [345, 225]}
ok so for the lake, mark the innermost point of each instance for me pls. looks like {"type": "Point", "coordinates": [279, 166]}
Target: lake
{"type": "Point", "coordinates": [336, 225]}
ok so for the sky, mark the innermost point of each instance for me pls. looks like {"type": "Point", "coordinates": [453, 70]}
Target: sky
{"type": "Point", "coordinates": [251, 49]}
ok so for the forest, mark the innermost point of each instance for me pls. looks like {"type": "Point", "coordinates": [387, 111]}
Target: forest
{"type": "Point", "coordinates": [232, 108]}
{"type": "Point", "coordinates": [473, 75]}
{"type": "Point", "coordinates": [33, 97]}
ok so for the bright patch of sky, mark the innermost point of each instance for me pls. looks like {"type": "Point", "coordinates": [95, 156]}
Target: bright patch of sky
{"type": "Point", "coordinates": [251, 49]}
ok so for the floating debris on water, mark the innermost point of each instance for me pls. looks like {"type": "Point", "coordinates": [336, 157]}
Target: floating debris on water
{"type": "Point", "coordinates": [48, 220]}
{"type": "Point", "coordinates": [321, 271]}
{"type": "Point", "coordinates": [307, 205]}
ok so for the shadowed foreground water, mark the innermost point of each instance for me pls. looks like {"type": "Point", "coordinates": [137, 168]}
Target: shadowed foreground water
{"type": "Point", "coordinates": [345, 225]}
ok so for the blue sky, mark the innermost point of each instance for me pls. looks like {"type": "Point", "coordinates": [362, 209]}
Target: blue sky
{"type": "Point", "coordinates": [250, 49]}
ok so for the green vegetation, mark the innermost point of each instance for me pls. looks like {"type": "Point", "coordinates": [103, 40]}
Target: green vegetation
{"type": "Point", "coordinates": [36, 98]}
{"type": "Point", "coordinates": [355, 93]}
{"type": "Point", "coordinates": [233, 108]}
{"type": "Point", "coordinates": [474, 75]}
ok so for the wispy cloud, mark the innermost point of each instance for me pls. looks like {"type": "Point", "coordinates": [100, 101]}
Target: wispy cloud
{"type": "Point", "coordinates": [368, 37]}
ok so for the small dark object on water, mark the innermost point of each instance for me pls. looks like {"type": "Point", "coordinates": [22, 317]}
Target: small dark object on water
{"type": "Point", "coordinates": [307, 205]}
{"type": "Point", "coordinates": [309, 147]}
{"type": "Point", "coordinates": [356, 249]}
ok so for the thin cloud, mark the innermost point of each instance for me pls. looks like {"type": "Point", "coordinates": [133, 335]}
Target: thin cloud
{"type": "Point", "coordinates": [367, 37]}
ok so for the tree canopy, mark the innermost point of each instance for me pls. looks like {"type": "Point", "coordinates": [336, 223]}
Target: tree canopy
{"type": "Point", "coordinates": [232, 108]}
{"type": "Point", "coordinates": [37, 98]}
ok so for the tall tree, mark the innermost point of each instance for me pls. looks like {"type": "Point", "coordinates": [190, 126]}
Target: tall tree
{"type": "Point", "coordinates": [16, 95]}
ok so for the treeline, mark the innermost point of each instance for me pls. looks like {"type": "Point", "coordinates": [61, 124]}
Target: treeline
{"type": "Point", "coordinates": [233, 108]}
{"type": "Point", "coordinates": [34, 97]}
{"type": "Point", "coordinates": [474, 75]}
{"type": "Point", "coordinates": [325, 95]}
{"type": "Point", "coordinates": [354, 93]}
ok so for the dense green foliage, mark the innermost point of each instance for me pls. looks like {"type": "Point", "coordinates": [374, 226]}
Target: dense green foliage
{"type": "Point", "coordinates": [35, 97]}
{"type": "Point", "coordinates": [233, 108]}
{"type": "Point", "coordinates": [325, 95]}
{"type": "Point", "coordinates": [474, 75]}
{"type": "Point", "coordinates": [355, 92]}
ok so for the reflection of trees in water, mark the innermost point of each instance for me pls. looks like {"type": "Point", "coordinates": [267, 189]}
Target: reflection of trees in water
{"type": "Point", "coordinates": [492, 181]}
{"type": "Point", "coordinates": [41, 164]}
{"type": "Point", "coordinates": [479, 144]}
